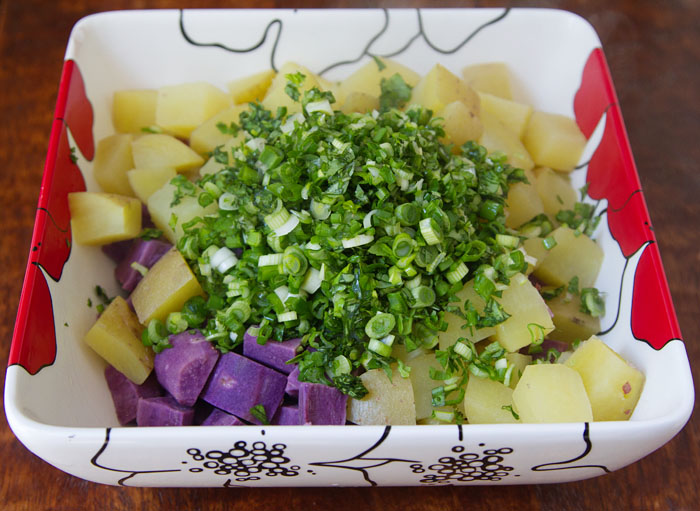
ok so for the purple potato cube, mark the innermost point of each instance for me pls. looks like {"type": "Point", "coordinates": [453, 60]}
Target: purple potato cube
{"type": "Point", "coordinates": [126, 394]}
{"type": "Point", "coordinates": [238, 384]}
{"type": "Point", "coordinates": [163, 411]}
{"type": "Point", "coordinates": [117, 250]}
{"type": "Point", "coordinates": [183, 370]}
{"type": "Point", "coordinates": [287, 415]}
{"type": "Point", "coordinates": [272, 353]}
{"type": "Point", "coordinates": [220, 418]}
{"type": "Point", "coordinates": [321, 404]}
{"type": "Point", "coordinates": [292, 387]}
{"type": "Point", "coordinates": [142, 252]}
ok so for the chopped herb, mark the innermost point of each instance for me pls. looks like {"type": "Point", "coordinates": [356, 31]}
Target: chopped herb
{"type": "Point", "coordinates": [150, 233]}
{"type": "Point", "coordinates": [73, 156]}
{"type": "Point", "coordinates": [592, 302]}
{"type": "Point", "coordinates": [509, 408]}
{"type": "Point", "coordinates": [258, 411]}
{"type": "Point", "coordinates": [395, 93]}
{"type": "Point", "coordinates": [380, 64]}
{"type": "Point", "coordinates": [151, 129]}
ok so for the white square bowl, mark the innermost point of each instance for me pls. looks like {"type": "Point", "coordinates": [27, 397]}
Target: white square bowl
{"type": "Point", "coordinates": [55, 397]}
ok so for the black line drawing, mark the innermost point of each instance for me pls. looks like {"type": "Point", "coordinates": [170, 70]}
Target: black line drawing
{"type": "Point", "coordinates": [558, 465]}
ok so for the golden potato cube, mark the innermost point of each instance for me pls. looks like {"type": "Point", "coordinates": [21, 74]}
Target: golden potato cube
{"type": "Point", "coordinates": [160, 150]}
{"type": "Point", "coordinates": [529, 316]}
{"type": "Point", "coordinates": [250, 88]}
{"type": "Point", "coordinates": [439, 87]}
{"type": "Point", "coordinates": [207, 136]}
{"type": "Point", "coordinates": [145, 182]}
{"type": "Point", "coordinates": [368, 78]}
{"type": "Point", "coordinates": [461, 123]}
{"type": "Point", "coordinates": [551, 393]}
{"type": "Point", "coordinates": [388, 402]}
{"type": "Point", "coordinates": [99, 218]}
{"type": "Point", "coordinates": [612, 384]}
{"type": "Point", "coordinates": [496, 137]}
{"type": "Point", "coordinates": [513, 115]}
{"type": "Point", "coordinates": [519, 361]}
{"type": "Point", "coordinates": [277, 97]}
{"type": "Point", "coordinates": [165, 288]}
{"type": "Point", "coordinates": [134, 109]}
{"type": "Point", "coordinates": [572, 256]}
{"type": "Point", "coordinates": [484, 401]}
{"type": "Point", "coordinates": [523, 203]}
{"type": "Point", "coordinates": [359, 102]}
{"type": "Point", "coordinates": [490, 77]}
{"type": "Point", "coordinates": [554, 141]}
{"type": "Point", "coordinates": [116, 337]}
{"type": "Point", "coordinates": [555, 190]}
{"type": "Point", "coordinates": [535, 247]}
{"type": "Point", "coordinates": [570, 324]}
{"type": "Point", "coordinates": [454, 322]}
{"type": "Point", "coordinates": [181, 108]}
{"type": "Point", "coordinates": [188, 208]}
{"type": "Point", "coordinates": [113, 157]}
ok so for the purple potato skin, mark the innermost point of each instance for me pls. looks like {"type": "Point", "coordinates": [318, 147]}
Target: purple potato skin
{"type": "Point", "coordinates": [287, 415]}
{"type": "Point", "coordinates": [272, 353]}
{"type": "Point", "coordinates": [547, 345]}
{"type": "Point", "coordinates": [183, 370]}
{"type": "Point", "coordinates": [163, 411]}
{"type": "Point", "coordinates": [292, 387]}
{"type": "Point", "coordinates": [126, 394]}
{"type": "Point", "coordinates": [220, 418]}
{"type": "Point", "coordinates": [237, 384]}
{"type": "Point", "coordinates": [143, 252]}
{"type": "Point", "coordinates": [321, 405]}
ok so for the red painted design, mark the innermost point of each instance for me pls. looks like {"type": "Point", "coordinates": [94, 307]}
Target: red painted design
{"type": "Point", "coordinates": [34, 340]}
{"type": "Point", "coordinates": [612, 175]}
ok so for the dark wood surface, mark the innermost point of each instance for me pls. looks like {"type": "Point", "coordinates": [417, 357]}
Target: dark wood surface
{"type": "Point", "coordinates": [653, 49]}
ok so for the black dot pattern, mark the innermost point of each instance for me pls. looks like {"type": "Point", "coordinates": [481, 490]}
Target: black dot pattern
{"type": "Point", "coordinates": [466, 467]}
{"type": "Point", "coordinates": [246, 463]}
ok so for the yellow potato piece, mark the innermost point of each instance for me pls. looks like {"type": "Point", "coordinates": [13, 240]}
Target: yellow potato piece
{"type": "Point", "coordinates": [523, 203]}
{"type": "Point", "coordinates": [555, 191]}
{"type": "Point", "coordinates": [134, 109]}
{"type": "Point", "coordinates": [276, 95]}
{"type": "Point", "coordinates": [116, 337]}
{"type": "Point", "coordinates": [554, 141]}
{"type": "Point", "coordinates": [367, 79]}
{"type": "Point", "coordinates": [160, 150]}
{"type": "Point", "coordinates": [145, 182]}
{"type": "Point", "coordinates": [250, 88]}
{"type": "Point", "coordinates": [387, 402]}
{"type": "Point", "coordinates": [181, 108]}
{"type": "Point", "coordinates": [497, 137]}
{"type": "Point", "coordinates": [573, 256]}
{"type": "Point", "coordinates": [512, 114]}
{"type": "Point", "coordinates": [484, 400]}
{"type": "Point", "coordinates": [570, 324]}
{"type": "Point", "coordinates": [360, 102]}
{"type": "Point", "coordinates": [461, 123]}
{"type": "Point", "coordinates": [549, 393]}
{"type": "Point", "coordinates": [165, 288]}
{"type": "Point", "coordinates": [439, 87]}
{"type": "Point", "coordinates": [612, 384]}
{"type": "Point", "coordinates": [99, 218]}
{"type": "Point", "coordinates": [207, 136]}
{"type": "Point", "coordinates": [519, 362]}
{"type": "Point", "coordinates": [490, 77]}
{"type": "Point", "coordinates": [113, 158]}
{"type": "Point", "coordinates": [454, 323]}
{"type": "Point", "coordinates": [161, 211]}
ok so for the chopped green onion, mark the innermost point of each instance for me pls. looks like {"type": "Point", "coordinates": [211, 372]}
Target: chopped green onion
{"type": "Point", "coordinates": [139, 268]}
{"type": "Point", "coordinates": [287, 316]}
{"type": "Point", "coordinates": [424, 296]}
{"type": "Point", "coordinates": [402, 245]}
{"type": "Point", "coordinates": [223, 260]}
{"type": "Point", "coordinates": [380, 325]}
{"type": "Point", "coordinates": [270, 259]}
{"type": "Point", "coordinates": [457, 274]}
{"type": "Point", "coordinates": [430, 230]}
{"type": "Point", "coordinates": [277, 219]}
{"type": "Point", "coordinates": [443, 416]}
{"type": "Point", "coordinates": [508, 241]}
{"type": "Point", "coordinates": [357, 241]}
{"type": "Point", "coordinates": [549, 242]}
{"type": "Point", "coordinates": [294, 261]}
{"type": "Point", "coordinates": [379, 347]}
{"type": "Point", "coordinates": [341, 365]}
{"type": "Point", "coordinates": [408, 214]}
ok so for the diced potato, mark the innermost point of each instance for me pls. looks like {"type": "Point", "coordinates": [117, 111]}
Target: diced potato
{"type": "Point", "coordinates": [165, 288]}
{"type": "Point", "coordinates": [181, 108]}
{"type": "Point", "coordinates": [161, 211]}
{"type": "Point", "coordinates": [484, 400]}
{"type": "Point", "coordinates": [513, 115]}
{"type": "Point", "coordinates": [439, 87]}
{"type": "Point", "coordinates": [555, 190]}
{"type": "Point", "coordinates": [145, 182]}
{"type": "Point", "coordinates": [529, 315]}
{"type": "Point", "coordinates": [207, 136]}
{"type": "Point", "coordinates": [534, 247]}
{"type": "Point", "coordinates": [519, 362]}
{"type": "Point", "coordinates": [116, 337]}
{"type": "Point", "coordinates": [573, 256]}
{"type": "Point", "coordinates": [368, 78]}
{"type": "Point", "coordinates": [554, 141]}
{"type": "Point", "coordinates": [277, 97]}
{"type": "Point", "coordinates": [134, 109]}
{"type": "Point", "coordinates": [360, 102]}
{"type": "Point", "coordinates": [159, 150]}
{"type": "Point", "coordinates": [213, 165]}
{"type": "Point", "coordinates": [460, 122]}
{"type": "Point", "coordinates": [420, 363]}
{"type": "Point", "coordinates": [100, 218]}
{"type": "Point", "coordinates": [387, 402]}
{"type": "Point", "coordinates": [334, 88]}
{"type": "Point", "coordinates": [491, 77]}
{"type": "Point", "coordinates": [113, 157]}
{"type": "Point", "coordinates": [523, 203]}
{"type": "Point", "coordinates": [551, 393]}
{"type": "Point", "coordinates": [570, 324]}
{"type": "Point", "coordinates": [454, 323]}
{"type": "Point", "coordinates": [613, 386]}
{"type": "Point", "coordinates": [250, 88]}
{"type": "Point", "coordinates": [496, 137]}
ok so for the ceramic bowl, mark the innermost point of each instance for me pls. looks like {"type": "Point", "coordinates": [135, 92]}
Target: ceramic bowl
{"type": "Point", "coordinates": [56, 400]}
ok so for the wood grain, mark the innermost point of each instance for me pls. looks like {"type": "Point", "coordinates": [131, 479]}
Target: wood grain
{"type": "Point", "coordinates": [653, 49]}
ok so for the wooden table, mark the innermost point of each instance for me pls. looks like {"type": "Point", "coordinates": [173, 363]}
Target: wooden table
{"type": "Point", "coordinates": [653, 49]}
